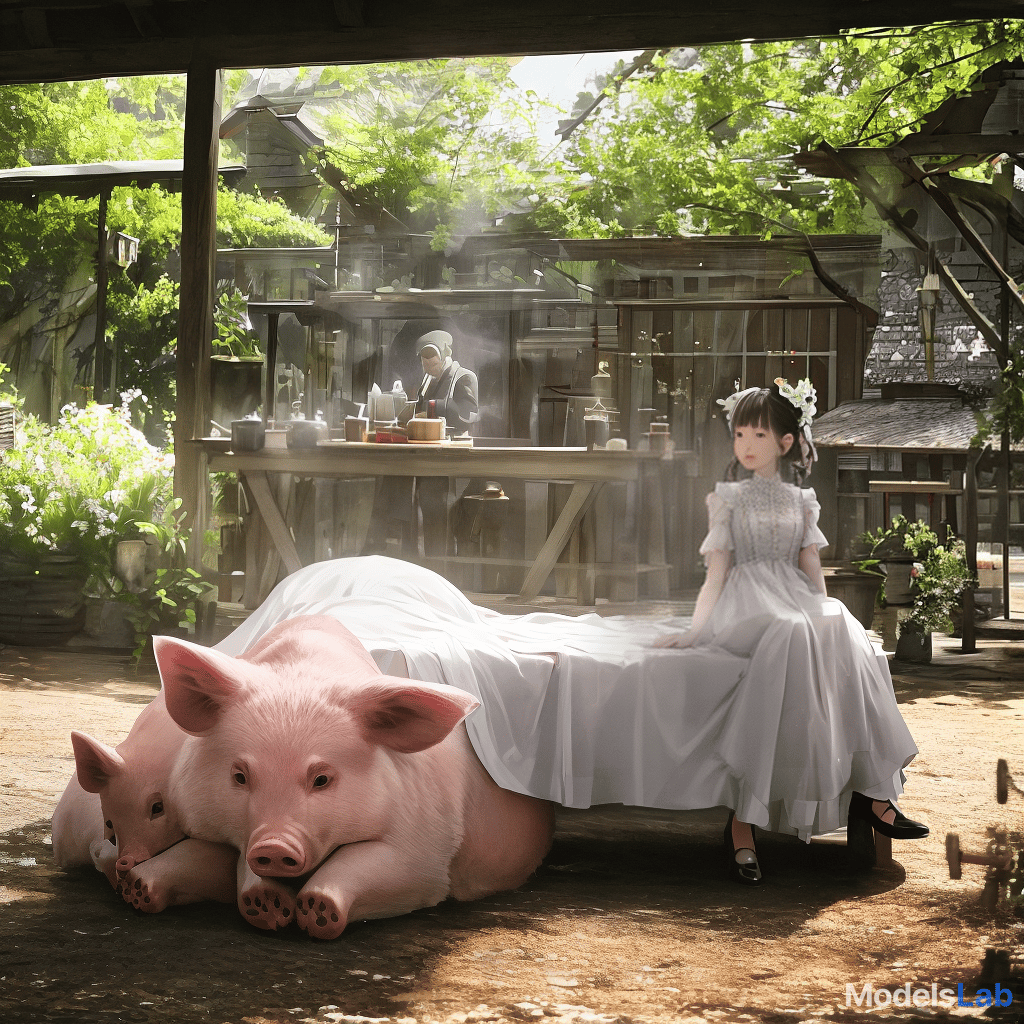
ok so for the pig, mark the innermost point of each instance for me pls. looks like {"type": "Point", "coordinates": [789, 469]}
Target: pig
{"type": "Point", "coordinates": [360, 790]}
{"type": "Point", "coordinates": [402, 813]}
{"type": "Point", "coordinates": [78, 832]}
{"type": "Point", "coordinates": [114, 814]}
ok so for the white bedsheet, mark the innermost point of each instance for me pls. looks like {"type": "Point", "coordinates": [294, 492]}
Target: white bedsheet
{"type": "Point", "coordinates": [578, 710]}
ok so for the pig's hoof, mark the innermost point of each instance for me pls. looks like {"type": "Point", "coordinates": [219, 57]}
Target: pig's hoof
{"type": "Point", "coordinates": [142, 893]}
{"type": "Point", "coordinates": [267, 906]}
{"type": "Point", "coordinates": [319, 915]}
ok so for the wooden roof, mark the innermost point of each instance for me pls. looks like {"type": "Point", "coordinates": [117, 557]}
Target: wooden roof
{"type": "Point", "coordinates": [26, 184]}
{"type": "Point", "coordinates": [930, 424]}
{"type": "Point", "coordinates": [61, 40]}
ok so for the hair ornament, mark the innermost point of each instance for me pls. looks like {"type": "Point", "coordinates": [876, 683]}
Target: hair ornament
{"type": "Point", "coordinates": [728, 404]}
{"type": "Point", "coordinates": [802, 397]}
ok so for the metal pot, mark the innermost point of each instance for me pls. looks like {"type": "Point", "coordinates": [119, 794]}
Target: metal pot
{"type": "Point", "coordinates": [247, 435]}
{"type": "Point", "coordinates": [306, 433]}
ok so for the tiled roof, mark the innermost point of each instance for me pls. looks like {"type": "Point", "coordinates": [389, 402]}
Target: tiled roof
{"type": "Point", "coordinates": [938, 424]}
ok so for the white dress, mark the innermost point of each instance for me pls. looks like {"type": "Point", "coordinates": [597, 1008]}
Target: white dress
{"type": "Point", "coordinates": [814, 717]}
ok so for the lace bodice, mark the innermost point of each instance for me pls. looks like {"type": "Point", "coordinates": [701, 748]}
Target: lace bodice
{"type": "Point", "coordinates": [762, 519]}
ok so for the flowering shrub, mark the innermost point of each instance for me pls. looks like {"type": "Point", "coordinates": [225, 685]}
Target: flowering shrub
{"type": "Point", "coordinates": [937, 585]}
{"type": "Point", "coordinates": [81, 486]}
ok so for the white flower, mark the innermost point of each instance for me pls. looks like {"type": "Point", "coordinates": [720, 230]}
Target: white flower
{"type": "Point", "coordinates": [802, 398]}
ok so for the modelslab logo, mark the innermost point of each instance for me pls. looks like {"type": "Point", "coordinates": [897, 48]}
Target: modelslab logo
{"type": "Point", "coordinates": [873, 998]}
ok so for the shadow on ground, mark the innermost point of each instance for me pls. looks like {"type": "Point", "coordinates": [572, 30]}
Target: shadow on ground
{"type": "Point", "coordinates": [70, 950]}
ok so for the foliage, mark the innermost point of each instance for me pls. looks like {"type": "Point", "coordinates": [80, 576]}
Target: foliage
{"type": "Point", "coordinates": [899, 542]}
{"type": "Point", "coordinates": [440, 144]}
{"type": "Point", "coordinates": [1006, 410]}
{"type": "Point", "coordinates": [144, 327]}
{"type": "Point", "coordinates": [80, 486]}
{"type": "Point", "coordinates": [937, 584]}
{"type": "Point", "coordinates": [47, 252]}
{"type": "Point", "coordinates": [83, 485]}
{"type": "Point", "coordinates": [250, 221]}
{"type": "Point", "coordinates": [235, 336]}
{"type": "Point", "coordinates": [168, 601]}
{"type": "Point", "coordinates": [900, 539]}
{"type": "Point", "coordinates": [705, 144]}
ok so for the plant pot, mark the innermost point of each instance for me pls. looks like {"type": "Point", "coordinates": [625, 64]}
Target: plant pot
{"type": "Point", "coordinates": [857, 590]}
{"type": "Point", "coordinates": [915, 646]}
{"type": "Point", "coordinates": [107, 624]}
{"type": "Point", "coordinates": [236, 388]}
{"type": "Point", "coordinates": [897, 581]}
{"type": "Point", "coordinates": [42, 602]}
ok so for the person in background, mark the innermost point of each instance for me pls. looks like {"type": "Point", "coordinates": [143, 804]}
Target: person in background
{"type": "Point", "coordinates": [452, 388]}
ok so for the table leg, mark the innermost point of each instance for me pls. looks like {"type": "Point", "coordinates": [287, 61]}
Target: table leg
{"type": "Point", "coordinates": [259, 485]}
{"type": "Point", "coordinates": [653, 550]}
{"type": "Point", "coordinates": [581, 498]}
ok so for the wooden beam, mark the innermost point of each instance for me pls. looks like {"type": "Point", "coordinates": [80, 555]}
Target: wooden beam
{"type": "Point", "coordinates": [103, 41]}
{"type": "Point", "coordinates": [908, 166]}
{"type": "Point", "coordinates": [943, 145]}
{"type": "Point", "coordinates": [99, 359]}
{"type": "Point", "coordinates": [873, 191]}
{"type": "Point", "coordinates": [195, 309]}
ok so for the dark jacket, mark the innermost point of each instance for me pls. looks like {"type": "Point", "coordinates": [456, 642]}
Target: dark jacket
{"type": "Point", "coordinates": [456, 394]}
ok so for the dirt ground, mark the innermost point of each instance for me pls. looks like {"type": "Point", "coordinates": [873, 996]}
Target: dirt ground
{"type": "Point", "coordinates": [629, 919]}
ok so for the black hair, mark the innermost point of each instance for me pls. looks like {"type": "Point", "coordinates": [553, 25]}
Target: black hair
{"type": "Point", "coordinates": [767, 408]}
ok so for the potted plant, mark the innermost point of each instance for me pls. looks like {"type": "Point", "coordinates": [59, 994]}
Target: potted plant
{"type": "Point", "coordinates": [857, 589]}
{"type": "Point", "coordinates": [68, 494]}
{"type": "Point", "coordinates": [938, 584]}
{"type": "Point", "coordinates": [236, 368]}
{"type": "Point", "coordinates": [892, 553]}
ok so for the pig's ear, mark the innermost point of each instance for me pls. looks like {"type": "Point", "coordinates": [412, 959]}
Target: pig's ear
{"type": "Point", "coordinates": [96, 763]}
{"type": "Point", "coordinates": [408, 716]}
{"type": "Point", "coordinates": [198, 683]}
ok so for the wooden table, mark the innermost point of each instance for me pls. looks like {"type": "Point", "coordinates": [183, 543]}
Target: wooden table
{"type": "Point", "coordinates": [586, 470]}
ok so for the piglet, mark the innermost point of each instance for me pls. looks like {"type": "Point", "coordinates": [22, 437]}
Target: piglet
{"type": "Point", "coordinates": [360, 789]}
{"type": "Point", "coordinates": [115, 813]}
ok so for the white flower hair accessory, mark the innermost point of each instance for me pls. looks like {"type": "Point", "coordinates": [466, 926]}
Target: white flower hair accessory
{"type": "Point", "coordinates": [802, 398]}
{"type": "Point", "coordinates": [728, 404]}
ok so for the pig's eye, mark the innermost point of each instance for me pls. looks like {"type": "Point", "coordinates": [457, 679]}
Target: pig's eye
{"type": "Point", "coordinates": [157, 809]}
{"type": "Point", "coordinates": [320, 781]}
{"type": "Point", "coordinates": [239, 777]}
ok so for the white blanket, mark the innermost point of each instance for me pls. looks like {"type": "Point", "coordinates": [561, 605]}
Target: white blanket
{"type": "Point", "coordinates": [578, 710]}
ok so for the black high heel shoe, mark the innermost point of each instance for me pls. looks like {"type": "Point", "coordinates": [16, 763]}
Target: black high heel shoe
{"type": "Point", "coordinates": [901, 828]}
{"type": "Point", "coordinates": [746, 871]}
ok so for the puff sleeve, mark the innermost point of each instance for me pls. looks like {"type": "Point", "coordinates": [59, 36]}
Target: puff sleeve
{"type": "Point", "coordinates": [812, 509]}
{"type": "Point", "coordinates": [719, 536]}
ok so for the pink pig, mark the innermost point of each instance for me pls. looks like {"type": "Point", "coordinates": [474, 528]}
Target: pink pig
{"type": "Point", "coordinates": [319, 768]}
{"type": "Point", "coordinates": [114, 814]}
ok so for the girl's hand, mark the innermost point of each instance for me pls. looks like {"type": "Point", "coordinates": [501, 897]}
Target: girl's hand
{"type": "Point", "coordinates": [676, 640]}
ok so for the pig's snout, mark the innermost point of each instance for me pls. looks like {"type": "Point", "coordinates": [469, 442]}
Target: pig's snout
{"type": "Point", "coordinates": [276, 857]}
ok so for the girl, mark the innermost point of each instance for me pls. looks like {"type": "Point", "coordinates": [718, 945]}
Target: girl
{"type": "Point", "coordinates": [812, 733]}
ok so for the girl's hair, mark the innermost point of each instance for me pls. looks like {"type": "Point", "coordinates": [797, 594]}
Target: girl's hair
{"type": "Point", "coordinates": [767, 408]}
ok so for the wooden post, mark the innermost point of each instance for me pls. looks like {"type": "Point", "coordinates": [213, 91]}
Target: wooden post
{"type": "Point", "coordinates": [968, 644]}
{"type": "Point", "coordinates": [99, 381]}
{"type": "Point", "coordinates": [195, 310]}
{"type": "Point", "coordinates": [1007, 453]}
{"type": "Point", "coordinates": [270, 394]}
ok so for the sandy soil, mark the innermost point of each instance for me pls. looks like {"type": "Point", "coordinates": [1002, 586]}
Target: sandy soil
{"type": "Point", "coordinates": [630, 918]}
